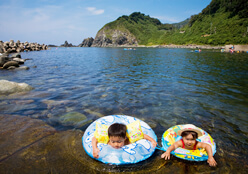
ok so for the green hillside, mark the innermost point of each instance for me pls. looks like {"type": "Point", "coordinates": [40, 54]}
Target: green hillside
{"type": "Point", "coordinates": [147, 30]}
{"type": "Point", "coordinates": [221, 22]}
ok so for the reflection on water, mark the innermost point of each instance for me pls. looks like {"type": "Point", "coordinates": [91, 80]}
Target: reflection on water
{"type": "Point", "coordinates": [164, 87]}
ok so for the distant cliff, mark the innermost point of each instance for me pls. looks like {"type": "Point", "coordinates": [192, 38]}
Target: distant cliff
{"type": "Point", "coordinates": [108, 37]}
{"type": "Point", "coordinates": [134, 29]}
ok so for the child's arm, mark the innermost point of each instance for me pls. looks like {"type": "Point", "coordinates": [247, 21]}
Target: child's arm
{"type": "Point", "coordinates": [147, 137]}
{"type": "Point", "coordinates": [95, 148]}
{"type": "Point", "coordinates": [211, 161]}
{"type": "Point", "coordinates": [166, 155]}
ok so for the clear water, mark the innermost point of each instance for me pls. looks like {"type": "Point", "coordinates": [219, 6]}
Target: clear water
{"type": "Point", "coordinates": [163, 87]}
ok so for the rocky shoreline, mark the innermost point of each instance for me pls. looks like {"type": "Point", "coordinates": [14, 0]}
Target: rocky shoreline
{"type": "Point", "coordinates": [101, 42]}
{"type": "Point", "coordinates": [190, 46]}
{"type": "Point", "coordinates": [12, 62]}
{"type": "Point", "coordinates": [90, 42]}
{"type": "Point", "coordinates": [122, 42]}
{"type": "Point", "coordinates": [17, 47]}
{"type": "Point", "coordinates": [175, 46]}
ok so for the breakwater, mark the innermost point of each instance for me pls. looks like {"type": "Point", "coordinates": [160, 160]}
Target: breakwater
{"type": "Point", "coordinates": [16, 47]}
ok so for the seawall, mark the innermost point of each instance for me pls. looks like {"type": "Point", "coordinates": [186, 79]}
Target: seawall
{"type": "Point", "coordinates": [16, 47]}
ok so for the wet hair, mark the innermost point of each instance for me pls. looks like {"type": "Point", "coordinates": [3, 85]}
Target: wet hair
{"type": "Point", "coordinates": [117, 130]}
{"type": "Point", "coordinates": [194, 134]}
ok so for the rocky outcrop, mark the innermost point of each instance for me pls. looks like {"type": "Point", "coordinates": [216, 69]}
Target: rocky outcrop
{"type": "Point", "coordinates": [107, 37]}
{"type": "Point", "coordinates": [12, 62]}
{"type": "Point", "coordinates": [16, 47]}
{"type": "Point", "coordinates": [7, 87]}
{"type": "Point", "coordinates": [51, 45]}
{"type": "Point", "coordinates": [87, 42]}
{"type": "Point", "coordinates": [66, 44]}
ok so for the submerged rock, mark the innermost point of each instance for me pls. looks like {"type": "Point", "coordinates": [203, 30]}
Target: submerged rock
{"type": "Point", "coordinates": [18, 132]}
{"type": "Point", "coordinates": [74, 119]}
{"type": "Point", "coordinates": [31, 146]}
{"type": "Point", "coordinates": [8, 87]}
{"type": "Point", "coordinates": [52, 104]}
{"type": "Point", "coordinates": [94, 113]}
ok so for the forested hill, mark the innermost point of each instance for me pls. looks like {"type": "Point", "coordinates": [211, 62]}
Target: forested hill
{"type": "Point", "coordinates": [221, 22]}
{"type": "Point", "coordinates": [136, 28]}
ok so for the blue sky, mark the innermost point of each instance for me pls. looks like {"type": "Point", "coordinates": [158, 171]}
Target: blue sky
{"type": "Point", "coordinates": [54, 21]}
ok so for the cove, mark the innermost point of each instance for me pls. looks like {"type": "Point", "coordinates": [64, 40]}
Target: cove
{"type": "Point", "coordinates": [41, 130]}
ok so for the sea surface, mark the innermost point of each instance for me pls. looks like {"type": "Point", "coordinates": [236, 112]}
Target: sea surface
{"type": "Point", "coordinates": [162, 86]}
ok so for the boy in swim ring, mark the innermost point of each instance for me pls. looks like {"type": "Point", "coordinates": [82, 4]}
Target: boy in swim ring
{"type": "Point", "coordinates": [117, 138]}
{"type": "Point", "coordinates": [189, 135]}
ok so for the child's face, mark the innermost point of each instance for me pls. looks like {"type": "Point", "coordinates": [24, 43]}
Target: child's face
{"type": "Point", "coordinates": [116, 142]}
{"type": "Point", "coordinates": [189, 141]}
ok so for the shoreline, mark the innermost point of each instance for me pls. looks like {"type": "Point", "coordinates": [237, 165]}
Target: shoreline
{"type": "Point", "coordinates": [223, 48]}
{"type": "Point", "coordinates": [184, 46]}
{"type": "Point", "coordinates": [156, 46]}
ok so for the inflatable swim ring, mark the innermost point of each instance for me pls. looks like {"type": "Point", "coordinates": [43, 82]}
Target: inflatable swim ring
{"type": "Point", "coordinates": [132, 153]}
{"type": "Point", "coordinates": [170, 136]}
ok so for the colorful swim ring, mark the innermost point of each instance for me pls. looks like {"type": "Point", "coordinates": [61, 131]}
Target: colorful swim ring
{"type": "Point", "coordinates": [132, 153]}
{"type": "Point", "coordinates": [170, 136]}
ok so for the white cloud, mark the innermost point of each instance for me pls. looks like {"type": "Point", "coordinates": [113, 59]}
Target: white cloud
{"type": "Point", "coordinates": [46, 24]}
{"type": "Point", "coordinates": [50, 24]}
{"type": "Point", "coordinates": [95, 11]}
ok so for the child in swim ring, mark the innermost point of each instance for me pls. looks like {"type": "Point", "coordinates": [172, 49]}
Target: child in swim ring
{"type": "Point", "coordinates": [189, 135]}
{"type": "Point", "coordinates": [117, 138]}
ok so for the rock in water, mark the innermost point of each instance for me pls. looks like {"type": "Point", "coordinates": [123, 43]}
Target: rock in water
{"type": "Point", "coordinates": [3, 60]}
{"type": "Point", "coordinates": [7, 87]}
{"type": "Point", "coordinates": [16, 55]}
{"type": "Point", "coordinates": [74, 119]}
{"type": "Point", "coordinates": [86, 42]}
{"type": "Point", "coordinates": [19, 60]}
{"type": "Point", "coordinates": [10, 63]}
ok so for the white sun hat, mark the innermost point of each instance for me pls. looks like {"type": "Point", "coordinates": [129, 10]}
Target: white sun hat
{"type": "Point", "coordinates": [190, 127]}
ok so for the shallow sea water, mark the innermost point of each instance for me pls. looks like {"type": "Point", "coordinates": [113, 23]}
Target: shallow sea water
{"type": "Point", "coordinates": [164, 87]}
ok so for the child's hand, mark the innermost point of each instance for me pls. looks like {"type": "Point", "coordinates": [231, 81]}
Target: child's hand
{"type": "Point", "coordinates": [211, 161]}
{"type": "Point", "coordinates": [166, 155]}
{"type": "Point", "coordinates": [154, 144]}
{"type": "Point", "coordinates": [96, 152]}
